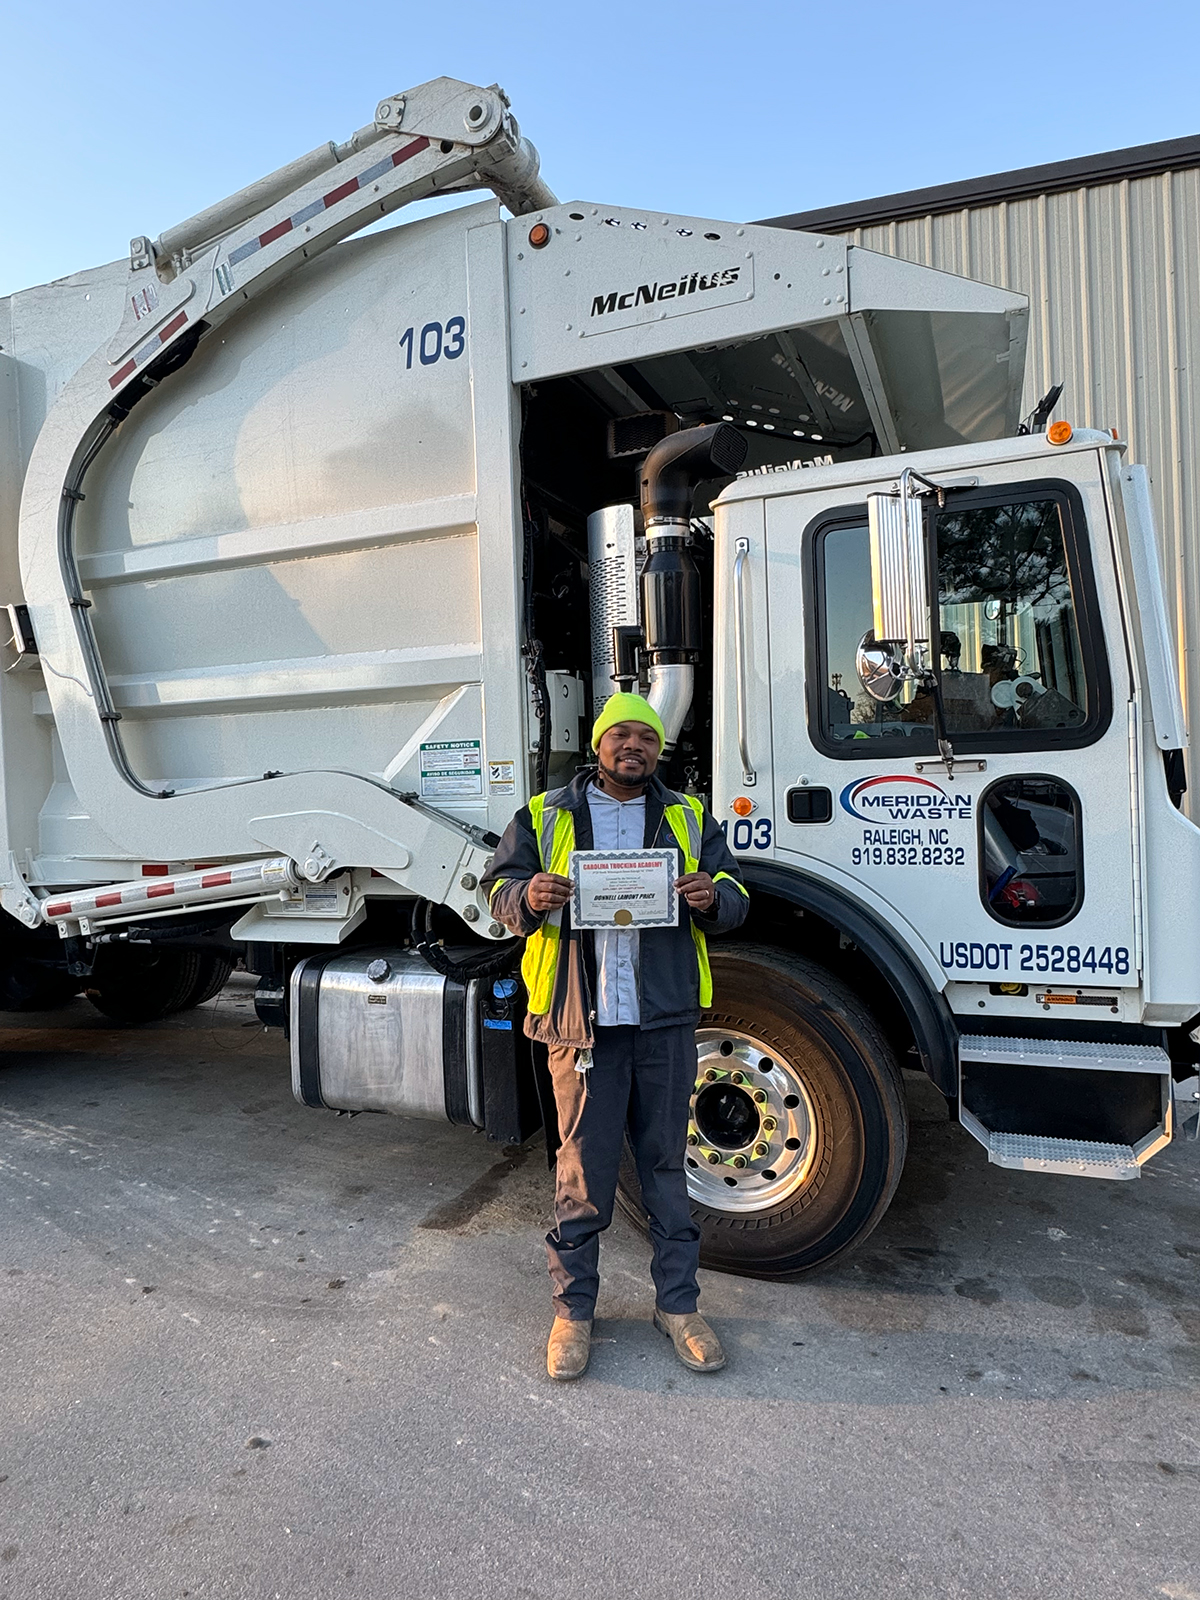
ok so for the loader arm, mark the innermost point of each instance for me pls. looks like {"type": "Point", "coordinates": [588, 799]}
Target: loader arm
{"type": "Point", "coordinates": [443, 135]}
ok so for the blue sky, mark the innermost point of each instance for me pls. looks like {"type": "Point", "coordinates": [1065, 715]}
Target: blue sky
{"type": "Point", "coordinates": [122, 120]}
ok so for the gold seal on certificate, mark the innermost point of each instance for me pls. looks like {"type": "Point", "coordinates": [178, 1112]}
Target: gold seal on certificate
{"type": "Point", "coordinates": [624, 889]}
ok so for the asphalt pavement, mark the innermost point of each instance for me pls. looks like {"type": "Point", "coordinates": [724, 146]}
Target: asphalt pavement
{"type": "Point", "coordinates": [256, 1351]}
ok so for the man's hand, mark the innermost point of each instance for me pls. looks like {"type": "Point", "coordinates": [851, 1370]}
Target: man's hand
{"type": "Point", "coordinates": [698, 889]}
{"type": "Point", "coordinates": [546, 891]}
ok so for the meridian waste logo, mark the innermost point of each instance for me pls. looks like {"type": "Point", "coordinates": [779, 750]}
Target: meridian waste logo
{"type": "Point", "coordinates": [903, 799]}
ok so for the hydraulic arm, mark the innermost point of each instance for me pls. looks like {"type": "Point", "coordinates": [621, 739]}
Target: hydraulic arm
{"type": "Point", "coordinates": [440, 137]}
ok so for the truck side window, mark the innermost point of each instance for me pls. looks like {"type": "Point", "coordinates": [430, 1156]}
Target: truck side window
{"type": "Point", "coordinates": [1008, 637]}
{"type": "Point", "coordinates": [1031, 851]}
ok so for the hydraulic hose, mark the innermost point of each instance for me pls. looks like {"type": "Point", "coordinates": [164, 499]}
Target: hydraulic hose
{"type": "Point", "coordinates": [495, 963]}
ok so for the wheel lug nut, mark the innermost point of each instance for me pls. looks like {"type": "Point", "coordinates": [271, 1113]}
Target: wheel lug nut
{"type": "Point", "coordinates": [737, 1078]}
{"type": "Point", "coordinates": [710, 1076]}
{"type": "Point", "coordinates": [760, 1096]}
{"type": "Point", "coordinates": [714, 1158]}
{"type": "Point", "coordinates": [739, 1161]}
{"type": "Point", "coordinates": [769, 1124]}
{"type": "Point", "coordinates": [693, 1139]}
{"type": "Point", "coordinates": [761, 1150]}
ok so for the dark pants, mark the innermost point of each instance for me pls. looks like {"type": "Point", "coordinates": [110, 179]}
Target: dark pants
{"type": "Point", "coordinates": [640, 1080]}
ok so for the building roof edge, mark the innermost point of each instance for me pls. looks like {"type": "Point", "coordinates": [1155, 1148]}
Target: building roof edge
{"type": "Point", "coordinates": [1139, 161]}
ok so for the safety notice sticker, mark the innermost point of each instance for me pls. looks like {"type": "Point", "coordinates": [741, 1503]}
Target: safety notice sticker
{"type": "Point", "coordinates": [502, 777]}
{"type": "Point", "coordinates": [452, 770]}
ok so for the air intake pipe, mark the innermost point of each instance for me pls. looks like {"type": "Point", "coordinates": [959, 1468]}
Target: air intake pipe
{"type": "Point", "coordinates": [670, 581]}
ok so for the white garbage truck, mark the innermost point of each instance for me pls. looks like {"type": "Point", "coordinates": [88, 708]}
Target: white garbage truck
{"type": "Point", "coordinates": [320, 552]}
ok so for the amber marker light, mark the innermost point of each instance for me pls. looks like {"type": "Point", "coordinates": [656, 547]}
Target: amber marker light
{"type": "Point", "coordinates": [742, 807]}
{"type": "Point", "coordinates": [539, 236]}
{"type": "Point", "coordinates": [1059, 432]}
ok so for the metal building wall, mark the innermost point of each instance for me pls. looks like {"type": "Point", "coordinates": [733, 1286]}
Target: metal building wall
{"type": "Point", "coordinates": [1112, 272]}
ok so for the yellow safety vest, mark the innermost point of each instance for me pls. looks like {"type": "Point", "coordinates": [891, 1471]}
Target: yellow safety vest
{"type": "Point", "coordinates": [554, 830]}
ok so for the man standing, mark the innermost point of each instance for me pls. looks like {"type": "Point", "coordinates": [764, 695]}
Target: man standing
{"type": "Point", "coordinates": [618, 1010]}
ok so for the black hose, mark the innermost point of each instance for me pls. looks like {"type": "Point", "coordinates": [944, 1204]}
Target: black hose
{"type": "Point", "coordinates": [679, 462]}
{"type": "Point", "coordinates": [494, 963]}
{"type": "Point", "coordinates": [535, 671]}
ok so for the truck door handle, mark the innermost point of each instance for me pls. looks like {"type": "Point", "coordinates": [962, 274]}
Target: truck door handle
{"type": "Point", "coordinates": [742, 547]}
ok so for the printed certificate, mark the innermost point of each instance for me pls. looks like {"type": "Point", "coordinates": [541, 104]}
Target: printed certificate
{"type": "Point", "coordinates": [624, 888]}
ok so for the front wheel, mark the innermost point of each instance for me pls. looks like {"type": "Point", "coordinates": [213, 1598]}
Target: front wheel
{"type": "Point", "coordinates": [798, 1126]}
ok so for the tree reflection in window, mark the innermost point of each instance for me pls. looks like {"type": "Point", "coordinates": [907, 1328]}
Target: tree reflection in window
{"type": "Point", "coordinates": [1008, 648]}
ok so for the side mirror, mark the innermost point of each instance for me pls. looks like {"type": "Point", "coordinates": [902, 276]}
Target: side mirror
{"type": "Point", "coordinates": [881, 668]}
{"type": "Point", "coordinates": [900, 577]}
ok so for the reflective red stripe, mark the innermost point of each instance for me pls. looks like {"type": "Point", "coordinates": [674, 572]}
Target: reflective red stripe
{"type": "Point", "coordinates": [122, 374]}
{"type": "Point", "coordinates": [410, 150]}
{"type": "Point", "coordinates": [340, 193]}
{"type": "Point", "coordinates": [277, 232]}
{"type": "Point", "coordinates": [154, 869]}
{"type": "Point", "coordinates": [213, 880]}
{"type": "Point", "coordinates": [172, 327]}
{"type": "Point", "coordinates": [157, 890]}
{"type": "Point", "coordinates": [107, 900]}
{"type": "Point", "coordinates": [59, 910]}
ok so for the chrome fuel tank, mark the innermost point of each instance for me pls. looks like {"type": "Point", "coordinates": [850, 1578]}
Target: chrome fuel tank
{"type": "Point", "coordinates": [379, 1030]}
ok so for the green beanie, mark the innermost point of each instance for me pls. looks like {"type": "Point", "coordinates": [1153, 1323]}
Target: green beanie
{"type": "Point", "coordinates": [627, 708]}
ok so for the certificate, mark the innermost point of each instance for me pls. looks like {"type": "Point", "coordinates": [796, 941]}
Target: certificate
{"type": "Point", "coordinates": [624, 888]}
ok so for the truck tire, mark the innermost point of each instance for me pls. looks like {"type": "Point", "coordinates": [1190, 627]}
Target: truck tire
{"type": "Point", "coordinates": [212, 978]}
{"type": "Point", "coordinates": [27, 985]}
{"type": "Point", "coordinates": [137, 984]}
{"type": "Point", "coordinates": [798, 1125]}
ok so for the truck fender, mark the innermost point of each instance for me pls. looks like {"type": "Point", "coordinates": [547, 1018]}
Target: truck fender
{"type": "Point", "coordinates": [928, 1015]}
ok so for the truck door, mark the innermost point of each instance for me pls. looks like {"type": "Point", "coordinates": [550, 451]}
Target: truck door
{"type": "Point", "coordinates": [1012, 874]}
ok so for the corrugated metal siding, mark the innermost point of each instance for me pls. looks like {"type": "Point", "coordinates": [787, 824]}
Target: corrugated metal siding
{"type": "Point", "coordinates": [1113, 277]}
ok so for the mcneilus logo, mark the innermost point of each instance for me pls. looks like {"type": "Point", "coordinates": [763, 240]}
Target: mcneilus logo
{"type": "Point", "coordinates": [903, 799]}
{"type": "Point", "coordinates": [649, 294]}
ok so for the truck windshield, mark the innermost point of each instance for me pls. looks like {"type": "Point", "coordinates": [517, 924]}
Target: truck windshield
{"type": "Point", "coordinates": [1007, 633]}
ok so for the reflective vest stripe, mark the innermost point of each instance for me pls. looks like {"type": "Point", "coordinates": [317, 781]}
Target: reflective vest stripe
{"type": "Point", "coordinates": [729, 878]}
{"type": "Point", "coordinates": [687, 824]}
{"type": "Point", "coordinates": [554, 830]}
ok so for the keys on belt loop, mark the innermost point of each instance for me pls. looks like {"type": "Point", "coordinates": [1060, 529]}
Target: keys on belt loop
{"type": "Point", "coordinates": [583, 1065]}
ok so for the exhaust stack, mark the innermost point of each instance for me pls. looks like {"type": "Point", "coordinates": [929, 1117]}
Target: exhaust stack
{"type": "Point", "coordinates": [670, 581]}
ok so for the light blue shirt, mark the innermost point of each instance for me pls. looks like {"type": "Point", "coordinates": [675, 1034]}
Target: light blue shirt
{"type": "Point", "coordinates": [616, 825]}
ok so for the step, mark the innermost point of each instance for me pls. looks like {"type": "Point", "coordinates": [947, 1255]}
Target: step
{"type": "Point", "coordinates": [1033, 1152]}
{"type": "Point", "coordinates": [1063, 1053]}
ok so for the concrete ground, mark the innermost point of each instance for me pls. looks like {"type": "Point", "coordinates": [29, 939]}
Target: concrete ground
{"type": "Point", "coordinates": [252, 1350]}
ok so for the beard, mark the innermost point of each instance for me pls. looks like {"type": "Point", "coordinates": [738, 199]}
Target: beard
{"type": "Point", "coordinates": [630, 781]}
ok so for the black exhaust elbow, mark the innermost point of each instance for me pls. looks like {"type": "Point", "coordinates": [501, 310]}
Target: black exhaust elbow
{"type": "Point", "coordinates": [679, 462]}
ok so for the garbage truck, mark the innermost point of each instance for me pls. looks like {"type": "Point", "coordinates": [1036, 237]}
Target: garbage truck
{"type": "Point", "coordinates": [320, 548]}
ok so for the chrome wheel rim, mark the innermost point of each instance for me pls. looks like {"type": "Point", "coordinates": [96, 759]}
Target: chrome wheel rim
{"type": "Point", "coordinates": [751, 1125]}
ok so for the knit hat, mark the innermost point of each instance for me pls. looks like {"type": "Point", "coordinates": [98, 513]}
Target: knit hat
{"type": "Point", "coordinates": [627, 708]}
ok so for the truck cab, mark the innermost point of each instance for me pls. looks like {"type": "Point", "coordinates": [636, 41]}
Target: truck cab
{"type": "Point", "coordinates": [1021, 856]}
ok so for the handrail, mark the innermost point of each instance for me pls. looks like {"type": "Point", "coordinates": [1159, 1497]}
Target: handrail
{"type": "Point", "coordinates": [742, 546]}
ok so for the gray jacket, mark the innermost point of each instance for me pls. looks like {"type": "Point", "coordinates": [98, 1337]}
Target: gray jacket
{"type": "Point", "coordinates": [669, 969]}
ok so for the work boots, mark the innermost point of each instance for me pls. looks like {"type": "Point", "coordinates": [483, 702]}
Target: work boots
{"type": "Point", "coordinates": [568, 1349]}
{"type": "Point", "coordinates": [696, 1345]}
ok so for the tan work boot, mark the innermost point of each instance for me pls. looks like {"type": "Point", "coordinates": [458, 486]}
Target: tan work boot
{"type": "Point", "coordinates": [696, 1345]}
{"type": "Point", "coordinates": [568, 1349]}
